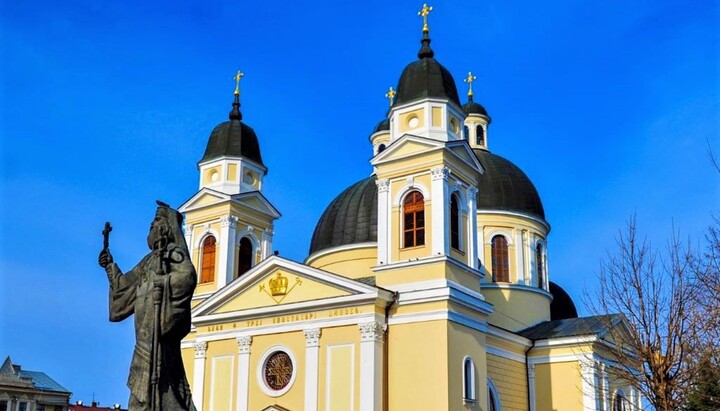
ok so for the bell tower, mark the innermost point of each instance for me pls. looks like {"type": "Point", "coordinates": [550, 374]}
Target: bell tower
{"type": "Point", "coordinates": [229, 223]}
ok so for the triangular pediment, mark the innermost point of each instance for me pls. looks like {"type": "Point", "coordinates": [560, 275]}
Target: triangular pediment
{"type": "Point", "coordinates": [256, 201]}
{"type": "Point", "coordinates": [278, 284]}
{"type": "Point", "coordinates": [407, 146]}
{"type": "Point", "coordinates": [463, 151]}
{"type": "Point", "coordinates": [203, 198]}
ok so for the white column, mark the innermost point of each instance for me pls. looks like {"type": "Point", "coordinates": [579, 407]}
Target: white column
{"type": "Point", "coordinates": [188, 231]}
{"type": "Point", "coordinates": [589, 386]}
{"type": "Point", "coordinates": [383, 221]}
{"type": "Point", "coordinates": [605, 383]}
{"type": "Point", "coordinates": [227, 250]}
{"type": "Point", "coordinates": [531, 387]}
{"type": "Point", "coordinates": [519, 256]}
{"type": "Point", "coordinates": [243, 372]}
{"type": "Point", "coordinates": [472, 243]}
{"type": "Point", "coordinates": [440, 216]}
{"type": "Point", "coordinates": [371, 366]}
{"type": "Point", "coordinates": [266, 244]}
{"type": "Point", "coordinates": [199, 374]}
{"type": "Point", "coordinates": [312, 361]}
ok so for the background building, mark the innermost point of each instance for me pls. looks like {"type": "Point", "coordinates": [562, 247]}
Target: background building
{"type": "Point", "coordinates": [426, 285]}
{"type": "Point", "coordinates": [23, 390]}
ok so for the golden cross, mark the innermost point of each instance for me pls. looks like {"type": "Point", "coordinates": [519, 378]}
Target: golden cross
{"type": "Point", "coordinates": [391, 95]}
{"type": "Point", "coordinates": [424, 13]}
{"type": "Point", "coordinates": [237, 78]}
{"type": "Point", "coordinates": [470, 78]}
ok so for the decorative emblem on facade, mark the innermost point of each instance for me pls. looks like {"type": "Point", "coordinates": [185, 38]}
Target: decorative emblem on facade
{"type": "Point", "coordinates": [383, 185]}
{"type": "Point", "coordinates": [278, 370]}
{"type": "Point", "coordinates": [279, 287]}
{"type": "Point", "coordinates": [229, 221]}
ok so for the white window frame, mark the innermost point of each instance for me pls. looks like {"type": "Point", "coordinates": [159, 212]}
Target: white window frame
{"type": "Point", "coordinates": [469, 397]}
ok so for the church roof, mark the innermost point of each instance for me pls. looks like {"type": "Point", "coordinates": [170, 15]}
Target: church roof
{"type": "Point", "coordinates": [504, 186]}
{"type": "Point", "coordinates": [350, 218]}
{"type": "Point", "coordinates": [233, 139]}
{"type": "Point", "coordinates": [13, 375]}
{"type": "Point", "coordinates": [425, 78]}
{"type": "Point", "coordinates": [571, 327]}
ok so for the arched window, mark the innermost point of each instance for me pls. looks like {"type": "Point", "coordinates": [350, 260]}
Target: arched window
{"type": "Point", "coordinates": [493, 399]}
{"type": "Point", "coordinates": [207, 272]}
{"type": "Point", "coordinates": [480, 135]}
{"type": "Point", "coordinates": [620, 403]}
{"type": "Point", "coordinates": [466, 133]}
{"type": "Point", "coordinates": [414, 219]}
{"type": "Point", "coordinates": [540, 266]}
{"type": "Point", "coordinates": [500, 261]}
{"type": "Point", "coordinates": [245, 256]}
{"type": "Point", "coordinates": [469, 392]}
{"type": "Point", "coordinates": [381, 148]}
{"type": "Point", "coordinates": [454, 222]}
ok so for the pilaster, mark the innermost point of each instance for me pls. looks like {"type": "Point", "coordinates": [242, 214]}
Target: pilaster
{"type": "Point", "coordinates": [472, 229]}
{"type": "Point", "coordinates": [227, 250]}
{"type": "Point", "coordinates": [267, 237]}
{"type": "Point", "coordinates": [383, 221]}
{"type": "Point", "coordinates": [440, 216]}
{"type": "Point", "coordinates": [243, 372]}
{"type": "Point", "coordinates": [531, 387]}
{"type": "Point", "coordinates": [371, 366]}
{"type": "Point", "coordinates": [199, 374]}
{"type": "Point", "coordinates": [312, 363]}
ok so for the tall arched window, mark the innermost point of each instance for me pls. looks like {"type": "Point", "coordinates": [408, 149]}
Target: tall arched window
{"type": "Point", "coordinates": [414, 219]}
{"type": "Point", "coordinates": [466, 133]}
{"type": "Point", "coordinates": [207, 270]}
{"type": "Point", "coordinates": [500, 261]}
{"type": "Point", "coordinates": [620, 403]}
{"type": "Point", "coordinates": [469, 392]}
{"type": "Point", "coordinates": [493, 400]}
{"type": "Point", "coordinates": [454, 222]}
{"type": "Point", "coordinates": [480, 133]}
{"type": "Point", "coordinates": [245, 254]}
{"type": "Point", "coordinates": [540, 266]}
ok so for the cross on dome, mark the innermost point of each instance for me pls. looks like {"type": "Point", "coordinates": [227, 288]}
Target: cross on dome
{"type": "Point", "coordinates": [237, 78]}
{"type": "Point", "coordinates": [391, 95]}
{"type": "Point", "coordinates": [424, 13]}
{"type": "Point", "coordinates": [469, 79]}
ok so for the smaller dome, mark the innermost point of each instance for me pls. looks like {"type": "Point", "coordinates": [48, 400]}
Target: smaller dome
{"type": "Point", "coordinates": [384, 125]}
{"type": "Point", "coordinates": [562, 306]}
{"type": "Point", "coordinates": [472, 107]}
{"type": "Point", "coordinates": [424, 78]}
{"type": "Point", "coordinates": [233, 139]}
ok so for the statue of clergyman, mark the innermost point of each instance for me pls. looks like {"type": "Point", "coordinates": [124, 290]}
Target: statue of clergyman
{"type": "Point", "coordinates": [158, 291]}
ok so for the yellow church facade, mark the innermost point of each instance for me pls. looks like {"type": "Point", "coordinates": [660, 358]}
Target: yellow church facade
{"type": "Point", "coordinates": [426, 286]}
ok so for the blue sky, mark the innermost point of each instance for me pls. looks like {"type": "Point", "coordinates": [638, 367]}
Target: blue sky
{"type": "Point", "coordinates": [107, 106]}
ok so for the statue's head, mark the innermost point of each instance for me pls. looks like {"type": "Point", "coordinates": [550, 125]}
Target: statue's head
{"type": "Point", "coordinates": [166, 227]}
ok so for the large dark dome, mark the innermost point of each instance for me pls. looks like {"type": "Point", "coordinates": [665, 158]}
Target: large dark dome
{"type": "Point", "coordinates": [504, 186]}
{"type": "Point", "coordinates": [233, 139]}
{"type": "Point", "coordinates": [562, 306]}
{"type": "Point", "coordinates": [426, 77]}
{"type": "Point", "coordinates": [350, 218]}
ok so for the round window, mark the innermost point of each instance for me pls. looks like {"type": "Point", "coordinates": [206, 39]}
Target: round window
{"type": "Point", "coordinates": [278, 370]}
{"type": "Point", "coordinates": [249, 178]}
{"type": "Point", "coordinates": [413, 122]}
{"type": "Point", "coordinates": [214, 176]}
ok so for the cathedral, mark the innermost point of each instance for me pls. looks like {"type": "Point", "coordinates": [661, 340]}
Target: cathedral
{"type": "Point", "coordinates": [426, 285]}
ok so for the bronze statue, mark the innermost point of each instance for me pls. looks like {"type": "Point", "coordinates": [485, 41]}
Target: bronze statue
{"type": "Point", "coordinates": [158, 291]}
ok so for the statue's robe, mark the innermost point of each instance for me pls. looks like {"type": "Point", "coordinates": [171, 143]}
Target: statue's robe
{"type": "Point", "coordinates": [131, 293]}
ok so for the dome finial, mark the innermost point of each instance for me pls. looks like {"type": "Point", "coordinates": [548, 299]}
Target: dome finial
{"type": "Point", "coordinates": [425, 50]}
{"type": "Point", "coordinates": [391, 95]}
{"type": "Point", "coordinates": [235, 113]}
{"type": "Point", "coordinates": [470, 78]}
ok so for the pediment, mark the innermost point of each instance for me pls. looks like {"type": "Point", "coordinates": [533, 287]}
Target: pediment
{"type": "Point", "coordinates": [203, 198]}
{"type": "Point", "coordinates": [256, 201]}
{"type": "Point", "coordinates": [464, 153]}
{"type": "Point", "coordinates": [407, 146]}
{"type": "Point", "coordinates": [278, 283]}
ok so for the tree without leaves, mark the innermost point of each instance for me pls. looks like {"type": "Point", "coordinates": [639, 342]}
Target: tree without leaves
{"type": "Point", "coordinates": [656, 295]}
